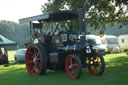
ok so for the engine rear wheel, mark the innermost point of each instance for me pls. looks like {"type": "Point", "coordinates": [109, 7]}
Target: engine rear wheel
{"type": "Point", "coordinates": [73, 66]}
{"type": "Point", "coordinates": [36, 59]}
{"type": "Point", "coordinates": [96, 64]}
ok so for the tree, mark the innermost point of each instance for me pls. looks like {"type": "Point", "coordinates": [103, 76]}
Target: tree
{"type": "Point", "coordinates": [17, 32]}
{"type": "Point", "coordinates": [7, 28]}
{"type": "Point", "coordinates": [98, 13]}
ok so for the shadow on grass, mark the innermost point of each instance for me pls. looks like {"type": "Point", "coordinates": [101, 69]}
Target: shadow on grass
{"type": "Point", "coordinates": [117, 70]}
{"type": "Point", "coordinates": [120, 63]}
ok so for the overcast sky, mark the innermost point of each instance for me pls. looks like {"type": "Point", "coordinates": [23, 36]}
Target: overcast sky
{"type": "Point", "coordinates": [13, 10]}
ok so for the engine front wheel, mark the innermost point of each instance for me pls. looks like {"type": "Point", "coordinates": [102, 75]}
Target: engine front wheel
{"type": "Point", "coordinates": [96, 64]}
{"type": "Point", "coordinates": [73, 66]}
{"type": "Point", "coordinates": [36, 61]}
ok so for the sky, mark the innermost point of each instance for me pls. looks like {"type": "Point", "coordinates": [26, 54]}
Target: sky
{"type": "Point", "coordinates": [13, 10]}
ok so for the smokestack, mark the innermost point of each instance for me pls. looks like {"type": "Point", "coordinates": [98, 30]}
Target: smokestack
{"type": "Point", "coordinates": [82, 26]}
{"type": "Point", "coordinates": [81, 21]}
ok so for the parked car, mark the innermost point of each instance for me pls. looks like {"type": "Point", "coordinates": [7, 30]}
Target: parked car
{"type": "Point", "coordinates": [20, 55]}
{"type": "Point", "coordinates": [97, 44]}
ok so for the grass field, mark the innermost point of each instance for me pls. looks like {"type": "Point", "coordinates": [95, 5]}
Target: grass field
{"type": "Point", "coordinates": [116, 73]}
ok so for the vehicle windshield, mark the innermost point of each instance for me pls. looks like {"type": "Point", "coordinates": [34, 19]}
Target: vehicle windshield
{"type": "Point", "coordinates": [23, 51]}
{"type": "Point", "coordinates": [96, 41]}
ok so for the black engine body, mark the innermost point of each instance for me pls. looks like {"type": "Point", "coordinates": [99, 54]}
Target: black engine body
{"type": "Point", "coordinates": [60, 46]}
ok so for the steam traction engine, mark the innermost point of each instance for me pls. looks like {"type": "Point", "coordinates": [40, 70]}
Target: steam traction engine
{"type": "Point", "coordinates": [63, 51]}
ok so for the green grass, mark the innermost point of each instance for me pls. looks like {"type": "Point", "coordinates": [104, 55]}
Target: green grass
{"type": "Point", "coordinates": [116, 73]}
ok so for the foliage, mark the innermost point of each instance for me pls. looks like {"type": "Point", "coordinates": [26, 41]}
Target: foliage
{"type": "Point", "coordinates": [7, 28]}
{"type": "Point", "coordinates": [14, 31]}
{"type": "Point", "coordinates": [98, 13]}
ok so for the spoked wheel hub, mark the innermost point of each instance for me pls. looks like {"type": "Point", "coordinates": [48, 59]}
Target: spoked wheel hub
{"type": "Point", "coordinates": [73, 66]}
{"type": "Point", "coordinates": [35, 60]}
{"type": "Point", "coordinates": [96, 64]}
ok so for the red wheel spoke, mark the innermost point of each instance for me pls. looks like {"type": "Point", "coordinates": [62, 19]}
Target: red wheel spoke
{"type": "Point", "coordinates": [30, 62]}
{"type": "Point", "coordinates": [35, 52]}
{"type": "Point", "coordinates": [31, 53]}
{"type": "Point", "coordinates": [75, 62]}
{"type": "Point", "coordinates": [38, 63]}
{"type": "Point", "coordinates": [38, 66]}
{"type": "Point", "coordinates": [72, 71]}
{"type": "Point", "coordinates": [33, 69]}
{"type": "Point", "coordinates": [74, 65]}
{"type": "Point", "coordinates": [38, 59]}
{"type": "Point", "coordinates": [95, 68]}
{"type": "Point", "coordinates": [97, 63]}
{"type": "Point", "coordinates": [70, 60]}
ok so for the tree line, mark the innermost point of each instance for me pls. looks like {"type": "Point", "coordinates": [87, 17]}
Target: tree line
{"type": "Point", "coordinates": [16, 32]}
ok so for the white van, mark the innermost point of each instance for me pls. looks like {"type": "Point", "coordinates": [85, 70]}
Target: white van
{"type": "Point", "coordinates": [97, 44]}
{"type": "Point", "coordinates": [123, 42]}
{"type": "Point", "coordinates": [111, 43]}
